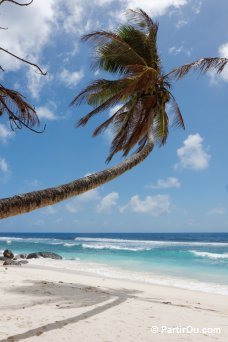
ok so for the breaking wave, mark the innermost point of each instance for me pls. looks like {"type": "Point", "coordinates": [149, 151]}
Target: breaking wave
{"type": "Point", "coordinates": [210, 255]}
{"type": "Point", "coordinates": [114, 247]}
{"type": "Point", "coordinates": [152, 243]}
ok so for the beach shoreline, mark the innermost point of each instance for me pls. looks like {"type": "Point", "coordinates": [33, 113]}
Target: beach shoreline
{"type": "Point", "coordinates": [49, 304]}
{"type": "Point", "coordinates": [102, 270]}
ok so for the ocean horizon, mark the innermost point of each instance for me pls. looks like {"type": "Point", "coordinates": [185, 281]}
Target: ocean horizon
{"type": "Point", "coordinates": [197, 261]}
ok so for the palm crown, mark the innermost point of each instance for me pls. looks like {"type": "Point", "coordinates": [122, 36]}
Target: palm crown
{"type": "Point", "coordinates": [140, 89]}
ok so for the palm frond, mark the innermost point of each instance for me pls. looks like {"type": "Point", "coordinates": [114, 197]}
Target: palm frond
{"type": "Point", "coordinates": [142, 143]}
{"type": "Point", "coordinates": [110, 46]}
{"type": "Point", "coordinates": [140, 129]}
{"type": "Point", "coordinates": [133, 127]}
{"type": "Point", "coordinates": [105, 88]}
{"type": "Point", "coordinates": [203, 65]}
{"type": "Point", "coordinates": [112, 101]}
{"type": "Point", "coordinates": [141, 19]}
{"type": "Point", "coordinates": [132, 86]}
{"type": "Point", "coordinates": [161, 126]}
{"type": "Point", "coordinates": [123, 124]}
{"type": "Point", "coordinates": [178, 120]}
{"type": "Point", "coordinates": [150, 28]}
{"type": "Point", "coordinates": [19, 111]}
{"type": "Point", "coordinates": [105, 124]}
{"type": "Point", "coordinates": [137, 40]}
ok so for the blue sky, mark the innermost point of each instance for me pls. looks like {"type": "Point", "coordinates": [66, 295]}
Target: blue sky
{"type": "Point", "coordinates": [182, 186]}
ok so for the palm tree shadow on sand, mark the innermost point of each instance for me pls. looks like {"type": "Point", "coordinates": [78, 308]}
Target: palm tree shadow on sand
{"type": "Point", "coordinates": [65, 296]}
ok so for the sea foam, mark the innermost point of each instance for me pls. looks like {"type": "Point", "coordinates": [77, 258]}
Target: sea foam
{"type": "Point", "coordinates": [153, 243]}
{"type": "Point", "coordinates": [210, 255]}
{"type": "Point", "coordinates": [103, 270]}
{"type": "Point", "coordinates": [114, 247]}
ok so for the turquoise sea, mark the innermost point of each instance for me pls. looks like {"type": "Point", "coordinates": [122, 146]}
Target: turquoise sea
{"type": "Point", "coordinates": [189, 260]}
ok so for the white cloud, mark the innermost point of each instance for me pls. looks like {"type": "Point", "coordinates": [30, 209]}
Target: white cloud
{"type": "Point", "coordinates": [156, 7]}
{"type": "Point", "coordinates": [36, 81]}
{"type": "Point", "coordinates": [181, 22]}
{"type": "Point", "coordinates": [33, 183]}
{"type": "Point", "coordinates": [103, 2]}
{"type": "Point", "coordinates": [223, 52]}
{"type": "Point", "coordinates": [90, 195]}
{"type": "Point", "coordinates": [154, 205]}
{"type": "Point", "coordinates": [46, 113]}
{"type": "Point", "coordinates": [192, 154]}
{"type": "Point", "coordinates": [152, 7]}
{"type": "Point", "coordinates": [71, 79]}
{"type": "Point", "coordinates": [75, 205]}
{"type": "Point", "coordinates": [107, 202]}
{"type": "Point", "coordinates": [4, 168]}
{"type": "Point", "coordinates": [73, 18]}
{"type": "Point", "coordinates": [49, 210]}
{"type": "Point", "coordinates": [177, 50]}
{"type": "Point", "coordinates": [31, 27]}
{"type": "Point", "coordinates": [215, 78]}
{"type": "Point", "coordinates": [5, 134]}
{"type": "Point", "coordinates": [197, 7]}
{"type": "Point", "coordinates": [170, 182]}
{"type": "Point", "coordinates": [74, 15]}
{"type": "Point", "coordinates": [66, 56]}
{"type": "Point", "coordinates": [29, 30]}
{"type": "Point", "coordinates": [217, 211]}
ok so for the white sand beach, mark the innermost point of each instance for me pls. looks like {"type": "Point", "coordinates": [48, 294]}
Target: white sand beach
{"type": "Point", "coordinates": [45, 304]}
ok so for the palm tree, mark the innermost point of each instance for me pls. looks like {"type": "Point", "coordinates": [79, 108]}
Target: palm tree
{"type": "Point", "coordinates": [143, 92]}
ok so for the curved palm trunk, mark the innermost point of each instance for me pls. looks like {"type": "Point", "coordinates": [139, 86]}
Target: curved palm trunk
{"type": "Point", "coordinates": [37, 199]}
